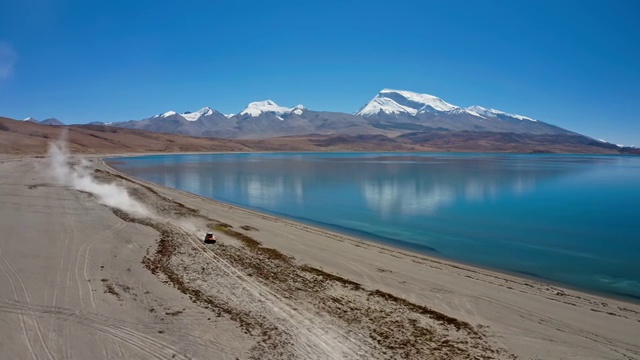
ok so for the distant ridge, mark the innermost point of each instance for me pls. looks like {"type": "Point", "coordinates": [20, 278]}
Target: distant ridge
{"type": "Point", "coordinates": [24, 137]}
{"type": "Point", "coordinates": [391, 113]}
{"type": "Point", "coordinates": [50, 121]}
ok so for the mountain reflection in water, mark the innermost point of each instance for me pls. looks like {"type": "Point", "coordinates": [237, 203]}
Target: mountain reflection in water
{"type": "Point", "coordinates": [569, 218]}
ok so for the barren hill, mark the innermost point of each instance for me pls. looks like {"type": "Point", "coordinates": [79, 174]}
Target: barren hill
{"type": "Point", "coordinates": [26, 138]}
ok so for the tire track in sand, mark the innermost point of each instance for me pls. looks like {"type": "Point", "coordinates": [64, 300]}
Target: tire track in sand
{"type": "Point", "coordinates": [70, 224]}
{"type": "Point", "coordinates": [315, 337]}
{"type": "Point", "coordinates": [27, 339]}
{"type": "Point", "coordinates": [149, 346]}
{"type": "Point", "coordinates": [67, 255]}
{"type": "Point", "coordinates": [36, 323]}
{"type": "Point", "coordinates": [561, 326]}
{"type": "Point", "coordinates": [121, 224]}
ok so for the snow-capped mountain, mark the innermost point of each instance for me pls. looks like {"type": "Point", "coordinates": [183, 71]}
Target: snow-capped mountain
{"type": "Point", "coordinates": [193, 116]}
{"type": "Point", "coordinates": [390, 112]}
{"type": "Point", "coordinates": [165, 115]}
{"type": "Point", "coordinates": [391, 115]}
{"type": "Point", "coordinates": [391, 101]}
{"type": "Point", "coordinates": [408, 109]}
{"type": "Point", "coordinates": [298, 109]}
{"type": "Point", "coordinates": [50, 121]}
{"type": "Point", "coordinates": [495, 113]}
{"type": "Point", "coordinates": [188, 115]}
{"type": "Point", "coordinates": [257, 108]}
{"type": "Point", "coordinates": [197, 123]}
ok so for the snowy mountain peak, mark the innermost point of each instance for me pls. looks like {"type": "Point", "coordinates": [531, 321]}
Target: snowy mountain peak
{"type": "Point", "coordinates": [30, 119]}
{"type": "Point", "coordinates": [267, 106]}
{"type": "Point", "coordinates": [298, 109]}
{"type": "Point", "coordinates": [392, 101]}
{"type": "Point", "coordinates": [494, 113]}
{"type": "Point", "coordinates": [188, 115]}
{"type": "Point", "coordinates": [193, 116]}
{"type": "Point", "coordinates": [480, 110]}
{"type": "Point", "coordinates": [258, 107]}
{"type": "Point", "coordinates": [167, 114]}
{"type": "Point", "coordinates": [425, 99]}
{"type": "Point", "coordinates": [382, 104]}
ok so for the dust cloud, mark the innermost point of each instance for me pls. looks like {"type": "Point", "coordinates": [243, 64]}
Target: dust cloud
{"type": "Point", "coordinates": [77, 174]}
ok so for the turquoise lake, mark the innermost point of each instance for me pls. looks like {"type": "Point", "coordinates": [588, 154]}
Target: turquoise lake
{"type": "Point", "coordinates": [567, 219]}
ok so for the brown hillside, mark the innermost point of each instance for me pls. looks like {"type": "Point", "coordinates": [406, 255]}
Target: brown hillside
{"type": "Point", "coordinates": [26, 138]}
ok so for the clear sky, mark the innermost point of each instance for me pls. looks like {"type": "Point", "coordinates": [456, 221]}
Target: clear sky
{"type": "Point", "coordinates": [575, 64]}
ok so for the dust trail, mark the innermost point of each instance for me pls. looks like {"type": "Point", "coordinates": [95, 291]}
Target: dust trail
{"type": "Point", "coordinates": [78, 176]}
{"type": "Point", "coordinates": [314, 336]}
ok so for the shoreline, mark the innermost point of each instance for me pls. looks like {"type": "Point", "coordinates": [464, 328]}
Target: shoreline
{"type": "Point", "coordinates": [449, 152]}
{"type": "Point", "coordinates": [388, 243]}
{"type": "Point", "coordinates": [521, 313]}
{"type": "Point", "coordinates": [103, 282]}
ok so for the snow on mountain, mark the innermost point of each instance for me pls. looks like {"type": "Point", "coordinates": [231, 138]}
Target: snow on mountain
{"type": "Point", "coordinates": [626, 146]}
{"type": "Point", "coordinates": [167, 114]}
{"type": "Point", "coordinates": [482, 111]}
{"type": "Point", "coordinates": [385, 105]}
{"type": "Point", "coordinates": [193, 116]}
{"type": "Point", "coordinates": [258, 107]}
{"type": "Point", "coordinates": [188, 115]}
{"type": "Point", "coordinates": [400, 101]}
{"type": "Point", "coordinates": [298, 109]}
{"type": "Point", "coordinates": [493, 113]}
{"type": "Point", "coordinates": [466, 111]}
{"type": "Point", "coordinates": [50, 121]}
{"type": "Point", "coordinates": [229, 115]}
{"type": "Point", "coordinates": [425, 99]}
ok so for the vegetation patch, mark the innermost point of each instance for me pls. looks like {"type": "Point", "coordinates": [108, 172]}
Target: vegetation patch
{"type": "Point", "coordinates": [110, 289]}
{"type": "Point", "coordinates": [397, 327]}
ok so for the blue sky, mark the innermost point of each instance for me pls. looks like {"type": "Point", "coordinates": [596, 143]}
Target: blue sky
{"type": "Point", "coordinates": [575, 64]}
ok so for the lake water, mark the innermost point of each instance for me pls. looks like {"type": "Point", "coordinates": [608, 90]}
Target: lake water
{"type": "Point", "coordinates": [570, 219]}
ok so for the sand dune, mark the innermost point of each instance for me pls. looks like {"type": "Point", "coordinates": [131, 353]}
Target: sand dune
{"type": "Point", "coordinates": [81, 279]}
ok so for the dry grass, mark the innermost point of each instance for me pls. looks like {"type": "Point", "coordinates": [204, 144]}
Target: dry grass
{"type": "Point", "coordinates": [398, 327]}
{"type": "Point", "coordinates": [110, 289]}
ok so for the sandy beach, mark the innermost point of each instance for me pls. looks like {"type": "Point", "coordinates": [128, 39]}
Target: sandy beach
{"type": "Point", "coordinates": [90, 270]}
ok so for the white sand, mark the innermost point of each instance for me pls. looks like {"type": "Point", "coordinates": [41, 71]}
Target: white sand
{"type": "Point", "coordinates": [72, 285]}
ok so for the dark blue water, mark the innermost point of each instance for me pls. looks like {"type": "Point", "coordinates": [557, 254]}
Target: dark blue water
{"type": "Point", "coordinates": [571, 219]}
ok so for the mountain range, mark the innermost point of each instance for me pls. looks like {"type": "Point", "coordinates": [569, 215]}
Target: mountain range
{"type": "Point", "coordinates": [391, 113]}
{"type": "Point", "coordinates": [50, 121]}
{"type": "Point", "coordinates": [30, 138]}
